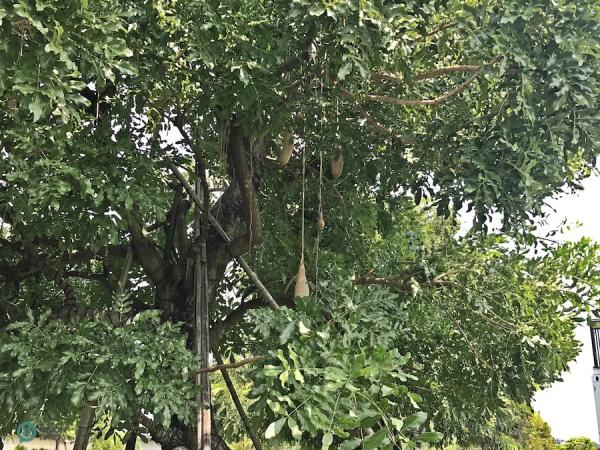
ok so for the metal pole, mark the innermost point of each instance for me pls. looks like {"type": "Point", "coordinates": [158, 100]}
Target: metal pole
{"type": "Point", "coordinates": [596, 384]}
{"type": "Point", "coordinates": [595, 335]}
{"type": "Point", "coordinates": [203, 422]}
{"type": "Point", "coordinates": [241, 261]}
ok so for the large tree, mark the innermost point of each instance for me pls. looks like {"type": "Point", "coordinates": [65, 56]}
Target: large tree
{"type": "Point", "coordinates": [489, 106]}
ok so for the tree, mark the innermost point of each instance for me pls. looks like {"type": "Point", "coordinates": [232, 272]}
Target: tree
{"type": "Point", "coordinates": [447, 104]}
{"type": "Point", "coordinates": [579, 443]}
{"type": "Point", "coordinates": [516, 427]}
{"type": "Point", "coordinates": [538, 434]}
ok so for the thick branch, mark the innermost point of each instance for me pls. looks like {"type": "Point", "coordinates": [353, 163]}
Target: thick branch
{"type": "Point", "coordinates": [441, 27]}
{"type": "Point", "coordinates": [234, 317]}
{"type": "Point", "coordinates": [147, 255]}
{"type": "Point", "coordinates": [394, 281]}
{"type": "Point", "coordinates": [374, 123]}
{"type": "Point", "coordinates": [423, 102]}
{"type": "Point", "coordinates": [168, 438]}
{"type": "Point", "coordinates": [244, 176]}
{"type": "Point", "coordinates": [171, 222]}
{"type": "Point", "coordinates": [384, 76]}
{"type": "Point", "coordinates": [241, 261]}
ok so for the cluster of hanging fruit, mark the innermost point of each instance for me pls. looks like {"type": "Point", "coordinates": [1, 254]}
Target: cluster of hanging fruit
{"type": "Point", "coordinates": [287, 149]}
{"type": "Point", "coordinates": [301, 288]}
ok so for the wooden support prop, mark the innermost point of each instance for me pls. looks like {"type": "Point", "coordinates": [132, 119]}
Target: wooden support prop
{"type": "Point", "coordinates": [241, 261]}
{"type": "Point", "coordinates": [237, 402]}
{"type": "Point", "coordinates": [233, 365]}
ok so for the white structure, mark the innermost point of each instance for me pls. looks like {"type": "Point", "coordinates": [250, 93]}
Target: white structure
{"type": "Point", "coordinates": [10, 442]}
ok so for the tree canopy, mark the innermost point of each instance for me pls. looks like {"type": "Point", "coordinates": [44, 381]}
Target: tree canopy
{"type": "Point", "coordinates": [579, 443]}
{"type": "Point", "coordinates": [398, 115]}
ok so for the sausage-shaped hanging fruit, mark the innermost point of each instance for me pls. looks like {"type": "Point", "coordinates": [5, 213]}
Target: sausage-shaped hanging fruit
{"type": "Point", "coordinates": [287, 148]}
{"type": "Point", "coordinates": [337, 166]}
{"type": "Point", "coordinates": [320, 222]}
{"type": "Point", "coordinates": [301, 288]}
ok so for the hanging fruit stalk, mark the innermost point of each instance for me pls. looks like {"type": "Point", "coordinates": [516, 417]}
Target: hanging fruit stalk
{"type": "Point", "coordinates": [301, 288]}
{"type": "Point", "coordinates": [337, 166]}
{"type": "Point", "coordinates": [320, 221]}
{"type": "Point", "coordinates": [287, 149]}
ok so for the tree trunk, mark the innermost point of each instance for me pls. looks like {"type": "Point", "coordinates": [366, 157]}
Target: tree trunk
{"type": "Point", "coordinates": [86, 420]}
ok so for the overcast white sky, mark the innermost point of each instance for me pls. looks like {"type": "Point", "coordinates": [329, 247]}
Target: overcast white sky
{"type": "Point", "coordinates": [568, 406]}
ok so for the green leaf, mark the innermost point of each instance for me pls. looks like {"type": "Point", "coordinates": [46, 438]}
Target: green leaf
{"type": "Point", "coordinates": [386, 390]}
{"type": "Point", "coordinates": [36, 107]}
{"type": "Point", "coordinates": [350, 444]}
{"type": "Point", "coordinates": [375, 440]}
{"type": "Point", "coordinates": [415, 421]}
{"type": "Point", "coordinates": [316, 11]}
{"type": "Point", "coordinates": [124, 67]}
{"type": "Point", "coordinates": [271, 371]}
{"type": "Point", "coordinates": [298, 376]}
{"type": "Point", "coordinates": [285, 375]}
{"type": "Point", "coordinates": [274, 428]}
{"type": "Point", "coordinates": [335, 374]}
{"type": "Point", "coordinates": [302, 328]}
{"type": "Point", "coordinates": [344, 70]}
{"type": "Point", "coordinates": [326, 441]}
{"type": "Point", "coordinates": [293, 426]}
{"type": "Point", "coordinates": [276, 407]}
{"type": "Point", "coordinates": [430, 436]}
{"type": "Point", "coordinates": [244, 78]}
{"type": "Point", "coordinates": [287, 332]}
{"type": "Point", "coordinates": [139, 370]}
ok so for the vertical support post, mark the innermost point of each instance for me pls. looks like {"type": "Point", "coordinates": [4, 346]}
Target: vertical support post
{"type": "Point", "coordinates": [596, 384]}
{"type": "Point", "coordinates": [595, 335]}
{"type": "Point", "coordinates": [203, 417]}
{"type": "Point", "coordinates": [84, 428]}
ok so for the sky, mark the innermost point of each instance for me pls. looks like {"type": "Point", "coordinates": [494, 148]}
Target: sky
{"type": "Point", "coordinates": [568, 406]}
